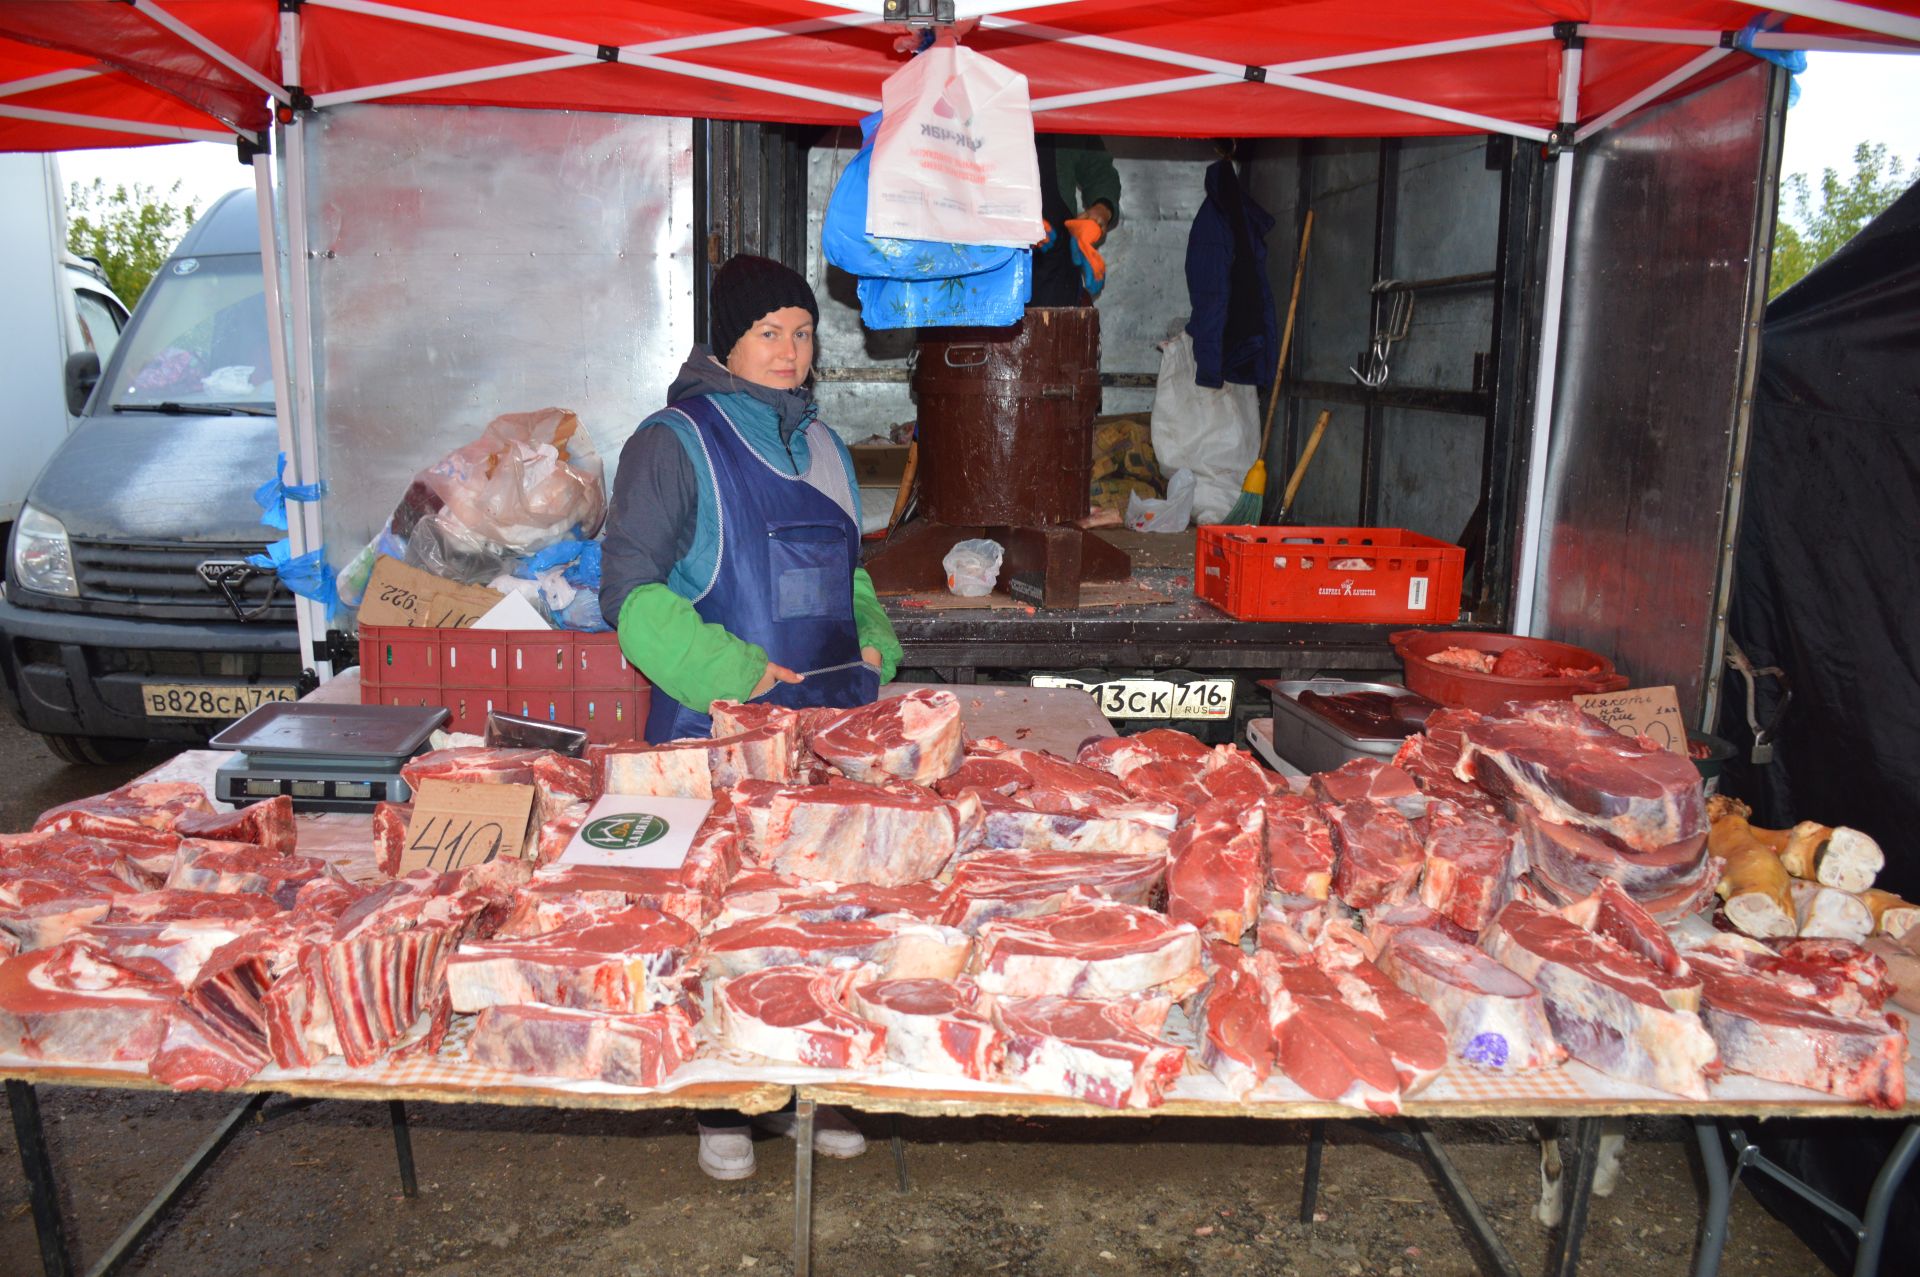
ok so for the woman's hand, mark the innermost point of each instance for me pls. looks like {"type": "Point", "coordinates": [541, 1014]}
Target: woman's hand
{"type": "Point", "coordinates": [871, 655]}
{"type": "Point", "coordinates": [774, 674]}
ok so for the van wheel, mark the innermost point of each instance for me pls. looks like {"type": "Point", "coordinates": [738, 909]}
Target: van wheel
{"type": "Point", "coordinates": [92, 751]}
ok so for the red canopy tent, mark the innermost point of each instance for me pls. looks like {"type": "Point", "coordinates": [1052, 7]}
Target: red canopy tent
{"type": "Point", "coordinates": [1204, 68]}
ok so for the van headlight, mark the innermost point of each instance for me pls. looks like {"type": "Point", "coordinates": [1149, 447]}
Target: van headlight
{"type": "Point", "coordinates": [42, 555]}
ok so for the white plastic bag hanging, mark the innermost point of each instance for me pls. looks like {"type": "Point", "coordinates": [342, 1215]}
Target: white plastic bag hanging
{"type": "Point", "coordinates": [954, 158]}
{"type": "Point", "coordinates": [1213, 433]}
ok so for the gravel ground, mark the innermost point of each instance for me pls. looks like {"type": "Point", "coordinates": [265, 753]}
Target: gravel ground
{"type": "Point", "coordinates": [508, 1191]}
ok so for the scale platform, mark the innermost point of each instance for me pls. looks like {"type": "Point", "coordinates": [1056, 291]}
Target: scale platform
{"type": "Point", "coordinates": [324, 757]}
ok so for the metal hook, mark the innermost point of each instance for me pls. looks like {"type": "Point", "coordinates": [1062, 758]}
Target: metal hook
{"type": "Point", "coordinates": [1399, 321]}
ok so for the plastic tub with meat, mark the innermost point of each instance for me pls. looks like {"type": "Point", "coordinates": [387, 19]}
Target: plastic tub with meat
{"type": "Point", "coordinates": [1522, 669]}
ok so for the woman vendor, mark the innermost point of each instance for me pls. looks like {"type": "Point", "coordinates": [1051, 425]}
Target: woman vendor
{"type": "Point", "coordinates": [732, 561]}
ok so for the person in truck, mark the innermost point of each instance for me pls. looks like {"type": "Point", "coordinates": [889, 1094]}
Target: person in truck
{"type": "Point", "coordinates": [732, 562]}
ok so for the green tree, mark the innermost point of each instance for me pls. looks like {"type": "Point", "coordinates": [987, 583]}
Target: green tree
{"type": "Point", "coordinates": [128, 230]}
{"type": "Point", "coordinates": [1816, 226]}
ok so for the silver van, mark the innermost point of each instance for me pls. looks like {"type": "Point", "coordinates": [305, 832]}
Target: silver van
{"type": "Point", "coordinates": [129, 612]}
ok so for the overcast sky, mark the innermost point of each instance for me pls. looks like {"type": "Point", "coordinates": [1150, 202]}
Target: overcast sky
{"type": "Point", "coordinates": [1845, 99]}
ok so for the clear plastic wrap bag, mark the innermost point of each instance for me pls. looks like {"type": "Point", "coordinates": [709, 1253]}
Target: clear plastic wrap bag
{"type": "Point", "coordinates": [972, 567]}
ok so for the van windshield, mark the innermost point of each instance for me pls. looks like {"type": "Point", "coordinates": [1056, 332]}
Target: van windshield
{"type": "Point", "coordinates": [198, 337]}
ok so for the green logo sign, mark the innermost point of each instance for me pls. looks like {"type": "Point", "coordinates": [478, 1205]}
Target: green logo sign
{"type": "Point", "coordinates": [624, 832]}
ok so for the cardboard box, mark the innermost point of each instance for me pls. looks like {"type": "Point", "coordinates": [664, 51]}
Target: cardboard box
{"type": "Point", "coordinates": [398, 594]}
{"type": "Point", "coordinates": [879, 465]}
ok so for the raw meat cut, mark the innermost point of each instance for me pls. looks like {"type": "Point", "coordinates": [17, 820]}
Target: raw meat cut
{"type": "Point", "coordinates": [198, 1054]}
{"type": "Point", "coordinates": [1218, 870]}
{"type": "Point", "coordinates": [1091, 949]}
{"type": "Point", "coordinates": [901, 947]}
{"type": "Point", "coordinates": [1362, 778]}
{"type": "Point", "coordinates": [1230, 1018]}
{"type": "Point", "coordinates": [697, 768]}
{"type": "Point", "coordinates": [236, 867]}
{"type": "Point", "coordinates": [1380, 853]}
{"type": "Point", "coordinates": [1165, 766]}
{"type": "Point", "coordinates": [1023, 884]}
{"type": "Point", "coordinates": [559, 783]}
{"type": "Point", "coordinates": [1433, 759]}
{"type": "Point", "coordinates": [1405, 1027]}
{"type": "Point", "coordinates": [1608, 1007]}
{"type": "Point", "coordinates": [390, 821]}
{"type": "Point", "coordinates": [846, 832]}
{"type": "Point", "coordinates": [268, 825]}
{"type": "Point", "coordinates": [1572, 769]}
{"type": "Point", "coordinates": [1300, 854]}
{"type": "Point", "coordinates": [625, 1050]}
{"type": "Point", "coordinates": [758, 894]}
{"type": "Point", "coordinates": [551, 840]}
{"type": "Point", "coordinates": [1290, 924]}
{"type": "Point", "coordinates": [168, 935]}
{"type": "Point", "coordinates": [1575, 860]}
{"type": "Point", "coordinates": [935, 1026]}
{"type": "Point", "coordinates": [1829, 963]}
{"type": "Point", "coordinates": [51, 884]}
{"type": "Point", "coordinates": [1471, 860]}
{"type": "Point", "coordinates": [71, 1004]}
{"type": "Point", "coordinates": [559, 894]}
{"type": "Point", "coordinates": [1612, 913]}
{"type": "Point", "coordinates": [1385, 921]}
{"type": "Point", "coordinates": [1089, 1050]}
{"type": "Point", "coordinates": [150, 804]}
{"type": "Point", "coordinates": [1495, 1020]}
{"type": "Point", "coordinates": [1321, 1045]}
{"type": "Point", "coordinates": [797, 1014]}
{"type": "Point", "coordinates": [1766, 1026]}
{"type": "Point", "coordinates": [1033, 779]}
{"type": "Point", "coordinates": [731, 718]}
{"type": "Point", "coordinates": [1124, 829]}
{"type": "Point", "coordinates": [1122, 755]}
{"type": "Point", "coordinates": [915, 737]}
{"type": "Point", "coordinates": [630, 961]}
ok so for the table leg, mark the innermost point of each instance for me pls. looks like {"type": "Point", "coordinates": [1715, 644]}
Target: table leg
{"type": "Point", "coordinates": [1310, 1178]}
{"type": "Point", "coordinates": [1584, 1144]}
{"type": "Point", "coordinates": [210, 1149]}
{"type": "Point", "coordinates": [803, 1187]}
{"type": "Point", "coordinates": [899, 1150]}
{"type": "Point", "coordinates": [1873, 1224]}
{"type": "Point", "coordinates": [42, 1191]}
{"type": "Point", "coordinates": [1713, 1223]}
{"type": "Point", "coordinates": [1462, 1197]}
{"type": "Point", "coordinates": [403, 1147]}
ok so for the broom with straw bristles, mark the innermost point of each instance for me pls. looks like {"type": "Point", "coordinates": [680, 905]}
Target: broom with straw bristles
{"type": "Point", "coordinates": [1253, 491]}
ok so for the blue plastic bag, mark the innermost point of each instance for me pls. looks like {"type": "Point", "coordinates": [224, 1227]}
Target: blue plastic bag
{"type": "Point", "coordinates": [911, 283]}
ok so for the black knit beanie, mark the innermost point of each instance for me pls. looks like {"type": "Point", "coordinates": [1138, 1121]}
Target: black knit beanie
{"type": "Point", "coordinates": [747, 289]}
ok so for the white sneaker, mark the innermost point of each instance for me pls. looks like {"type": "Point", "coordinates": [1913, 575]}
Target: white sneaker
{"type": "Point", "coordinates": [726, 1152]}
{"type": "Point", "coordinates": [833, 1134]}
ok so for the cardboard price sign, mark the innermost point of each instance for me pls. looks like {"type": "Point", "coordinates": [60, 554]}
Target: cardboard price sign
{"type": "Point", "coordinates": [1653, 712]}
{"type": "Point", "coordinates": [457, 824]}
{"type": "Point", "coordinates": [399, 594]}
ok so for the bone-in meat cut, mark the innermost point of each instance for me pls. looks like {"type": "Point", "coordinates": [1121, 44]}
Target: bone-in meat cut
{"type": "Point", "coordinates": [625, 1050]}
{"type": "Point", "coordinates": [268, 825]}
{"type": "Point", "coordinates": [1380, 853]}
{"type": "Point", "coordinates": [1093, 1051]}
{"type": "Point", "coordinates": [630, 961]}
{"type": "Point", "coordinates": [244, 867]}
{"type": "Point", "coordinates": [1471, 860]}
{"type": "Point", "coordinates": [797, 1014]}
{"type": "Point", "coordinates": [846, 832]}
{"type": "Point", "coordinates": [1123, 829]}
{"type": "Point", "coordinates": [1024, 884]}
{"type": "Point", "coordinates": [935, 1026]}
{"type": "Point", "coordinates": [1033, 779]}
{"type": "Point", "coordinates": [1609, 1007]}
{"type": "Point", "coordinates": [1091, 949]}
{"type": "Point", "coordinates": [900, 946]}
{"type": "Point", "coordinates": [1495, 1020]}
{"type": "Point", "coordinates": [71, 1003]}
{"type": "Point", "coordinates": [1572, 769]}
{"type": "Point", "coordinates": [1219, 869]}
{"type": "Point", "coordinates": [915, 737]}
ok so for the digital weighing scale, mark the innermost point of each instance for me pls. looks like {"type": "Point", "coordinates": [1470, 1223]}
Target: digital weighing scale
{"type": "Point", "coordinates": [324, 757]}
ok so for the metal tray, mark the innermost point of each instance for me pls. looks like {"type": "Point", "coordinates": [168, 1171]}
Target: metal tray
{"type": "Point", "coordinates": [388, 734]}
{"type": "Point", "coordinates": [1309, 741]}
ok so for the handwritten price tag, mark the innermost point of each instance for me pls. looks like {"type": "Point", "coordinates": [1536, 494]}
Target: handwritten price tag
{"type": "Point", "coordinates": [1653, 712]}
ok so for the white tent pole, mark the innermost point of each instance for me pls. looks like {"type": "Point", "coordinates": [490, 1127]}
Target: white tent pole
{"type": "Point", "coordinates": [1406, 106]}
{"type": "Point", "coordinates": [153, 13]}
{"type": "Point", "coordinates": [308, 619]}
{"type": "Point", "coordinates": [739, 79]}
{"type": "Point", "coordinates": [1125, 92]}
{"type": "Point", "coordinates": [1858, 16]}
{"type": "Point", "coordinates": [1827, 43]}
{"type": "Point", "coordinates": [297, 400]}
{"type": "Point", "coordinates": [1664, 84]}
{"type": "Point", "coordinates": [50, 80]}
{"type": "Point", "coordinates": [1648, 35]}
{"type": "Point", "coordinates": [427, 83]}
{"type": "Point", "coordinates": [110, 125]}
{"type": "Point", "coordinates": [1547, 370]}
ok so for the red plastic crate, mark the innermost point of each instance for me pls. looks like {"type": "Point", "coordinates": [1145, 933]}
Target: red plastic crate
{"type": "Point", "coordinates": [560, 676]}
{"type": "Point", "coordinates": [1367, 575]}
